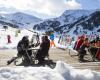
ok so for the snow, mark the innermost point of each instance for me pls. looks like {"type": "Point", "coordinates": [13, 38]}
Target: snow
{"type": "Point", "coordinates": [62, 71]}
{"type": "Point", "coordinates": [14, 39]}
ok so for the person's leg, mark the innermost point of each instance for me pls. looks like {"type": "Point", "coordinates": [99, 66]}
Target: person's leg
{"type": "Point", "coordinates": [81, 55]}
{"type": "Point", "coordinates": [11, 60]}
{"type": "Point", "coordinates": [93, 53]}
{"type": "Point", "coordinates": [27, 56]}
{"type": "Point", "coordinates": [98, 54]}
{"type": "Point", "coordinates": [38, 56]}
{"type": "Point", "coordinates": [41, 60]}
{"type": "Point", "coordinates": [53, 43]}
{"type": "Point", "coordinates": [30, 53]}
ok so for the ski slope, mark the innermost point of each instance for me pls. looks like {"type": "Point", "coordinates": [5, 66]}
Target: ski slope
{"type": "Point", "coordinates": [14, 39]}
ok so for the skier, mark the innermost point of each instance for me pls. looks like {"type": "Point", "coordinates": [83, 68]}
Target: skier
{"type": "Point", "coordinates": [23, 51]}
{"type": "Point", "coordinates": [97, 46]}
{"type": "Point", "coordinates": [79, 43]}
{"type": "Point", "coordinates": [69, 39]}
{"type": "Point", "coordinates": [23, 45]}
{"type": "Point", "coordinates": [52, 40]}
{"type": "Point", "coordinates": [82, 50]}
{"type": "Point", "coordinates": [43, 50]}
{"type": "Point", "coordinates": [9, 38]}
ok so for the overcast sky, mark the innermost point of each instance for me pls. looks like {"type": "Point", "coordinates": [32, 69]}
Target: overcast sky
{"type": "Point", "coordinates": [49, 7]}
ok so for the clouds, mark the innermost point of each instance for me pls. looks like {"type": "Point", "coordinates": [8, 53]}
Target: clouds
{"type": "Point", "coordinates": [48, 7]}
{"type": "Point", "coordinates": [72, 4]}
{"type": "Point", "coordinates": [19, 4]}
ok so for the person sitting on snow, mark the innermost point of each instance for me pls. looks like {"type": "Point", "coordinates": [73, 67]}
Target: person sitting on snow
{"type": "Point", "coordinates": [43, 50]}
{"type": "Point", "coordinates": [22, 48]}
{"type": "Point", "coordinates": [95, 49]}
{"type": "Point", "coordinates": [79, 43]}
{"type": "Point", "coordinates": [82, 50]}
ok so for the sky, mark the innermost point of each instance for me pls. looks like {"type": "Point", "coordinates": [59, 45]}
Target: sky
{"type": "Point", "coordinates": [48, 8]}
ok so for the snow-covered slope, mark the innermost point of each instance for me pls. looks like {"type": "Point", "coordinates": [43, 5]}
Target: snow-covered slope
{"type": "Point", "coordinates": [73, 22]}
{"type": "Point", "coordinates": [14, 37]}
{"type": "Point", "coordinates": [62, 71]}
{"type": "Point", "coordinates": [22, 20]}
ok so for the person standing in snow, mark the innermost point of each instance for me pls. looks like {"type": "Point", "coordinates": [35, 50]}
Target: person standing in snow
{"type": "Point", "coordinates": [9, 38]}
{"type": "Point", "coordinates": [59, 39]}
{"type": "Point", "coordinates": [69, 39]}
{"type": "Point", "coordinates": [52, 40]}
{"type": "Point", "coordinates": [16, 33]}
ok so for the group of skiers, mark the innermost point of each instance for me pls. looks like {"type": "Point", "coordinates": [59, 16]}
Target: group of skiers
{"type": "Point", "coordinates": [24, 50]}
{"type": "Point", "coordinates": [65, 39]}
{"type": "Point", "coordinates": [93, 46]}
{"type": "Point", "coordinates": [91, 42]}
{"type": "Point", "coordinates": [81, 43]}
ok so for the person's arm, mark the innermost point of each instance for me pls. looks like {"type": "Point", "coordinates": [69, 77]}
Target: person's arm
{"type": "Point", "coordinates": [34, 45]}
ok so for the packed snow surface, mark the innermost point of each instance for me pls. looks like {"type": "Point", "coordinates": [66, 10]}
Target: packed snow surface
{"type": "Point", "coordinates": [62, 71]}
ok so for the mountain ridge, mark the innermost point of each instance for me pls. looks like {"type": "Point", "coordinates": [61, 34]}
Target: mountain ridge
{"type": "Point", "coordinates": [19, 19]}
{"type": "Point", "coordinates": [83, 20]}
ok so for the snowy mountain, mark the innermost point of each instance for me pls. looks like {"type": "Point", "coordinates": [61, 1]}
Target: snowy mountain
{"type": "Point", "coordinates": [18, 19]}
{"type": "Point", "coordinates": [73, 22]}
